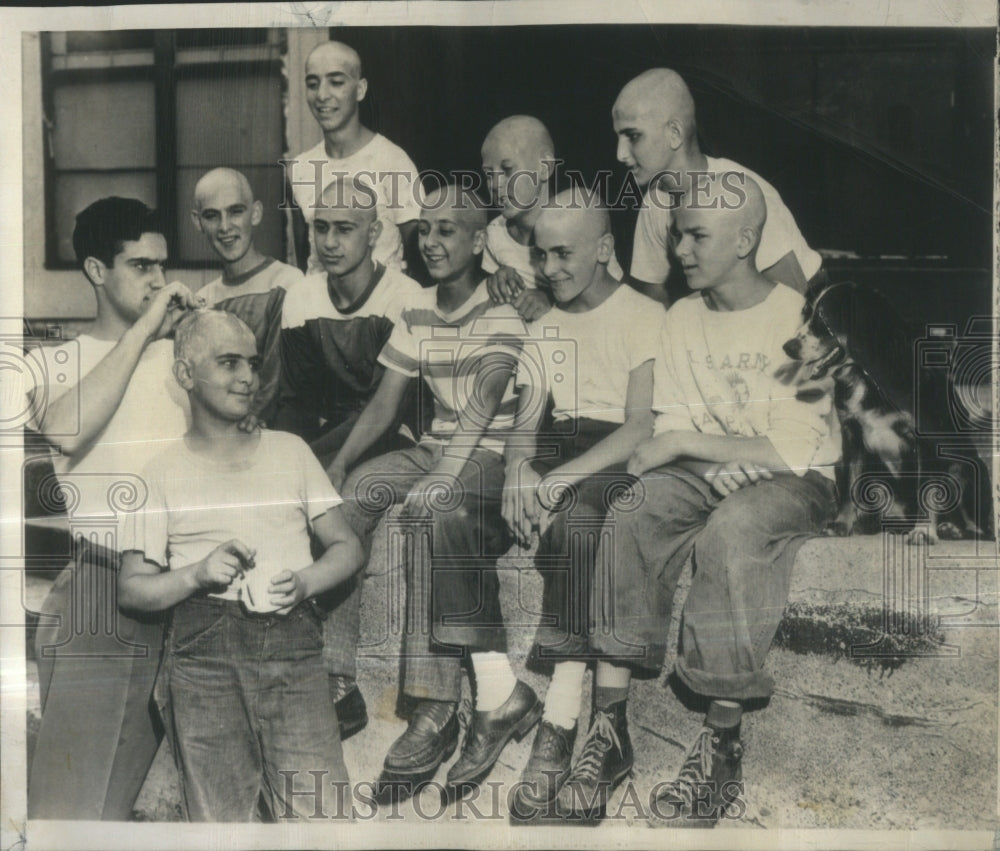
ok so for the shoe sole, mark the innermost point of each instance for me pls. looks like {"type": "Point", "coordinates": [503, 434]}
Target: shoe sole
{"type": "Point", "coordinates": [598, 812]}
{"type": "Point", "coordinates": [520, 730]}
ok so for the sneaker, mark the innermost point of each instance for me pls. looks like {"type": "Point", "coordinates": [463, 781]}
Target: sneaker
{"type": "Point", "coordinates": [489, 732]}
{"type": "Point", "coordinates": [606, 759]}
{"type": "Point", "coordinates": [709, 781]}
{"type": "Point", "coordinates": [352, 713]}
{"type": "Point", "coordinates": [546, 770]}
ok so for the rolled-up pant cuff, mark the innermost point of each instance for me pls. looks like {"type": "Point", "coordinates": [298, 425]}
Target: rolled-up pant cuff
{"type": "Point", "coordinates": [744, 686]}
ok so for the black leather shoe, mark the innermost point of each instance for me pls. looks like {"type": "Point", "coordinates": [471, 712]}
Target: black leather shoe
{"type": "Point", "coordinates": [352, 713]}
{"type": "Point", "coordinates": [710, 780]}
{"type": "Point", "coordinates": [547, 768]}
{"type": "Point", "coordinates": [606, 759]}
{"type": "Point", "coordinates": [429, 740]}
{"type": "Point", "coordinates": [489, 732]}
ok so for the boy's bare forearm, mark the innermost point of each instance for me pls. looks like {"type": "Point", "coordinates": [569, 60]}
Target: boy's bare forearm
{"type": "Point", "coordinates": [342, 558]}
{"type": "Point", "coordinates": [720, 448]}
{"type": "Point", "coordinates": [373, 422]}
{"type": "Point", "coordinates": [143, 587]}
{"type": "Point", "coordinates": [613, 449]}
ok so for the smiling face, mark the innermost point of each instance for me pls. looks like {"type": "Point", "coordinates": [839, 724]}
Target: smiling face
{"type": "Point", "coordinates": [451, 236]}
{"type": "Point", "coordinates": [334, 86]}
{"type": "Point", "coordinates": [134, 277]}
{"type": "Point", "coordinates": [226, 213]}
{"type": "Point", "coordinates": [570, 248]}
{"type": "Point", "coordinates": [220, 368]}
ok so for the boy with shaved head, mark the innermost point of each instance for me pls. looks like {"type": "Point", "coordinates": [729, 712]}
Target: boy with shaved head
{"type": "Point", "coordinates": [519, 162]}
{"type": "Point", "coordinates": [223, 541]}
{"type": "Point", "coordinates": [654, 119]}
{"type": "Point", "coordinates": [335, 86]}
{"type": "Point", "coordinates": [562, 482]}
{"type": "Point", "coordinates": [465, 347]}
{"type": "Point", "coordinates": [334, 325]}
{"type": "Point", "coordinates": [252, 285]}
{"type": "Point", "coordinates": [739, 473]}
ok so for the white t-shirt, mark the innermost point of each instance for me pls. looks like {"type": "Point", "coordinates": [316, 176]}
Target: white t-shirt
{"type": "Point", "coordinates": [268, 501]}
{"type": "Point", "coordinates": [503, 250]}
{"type": "Point", "coordinates": [104, 480]}
{"type": "Point", "coordinates": [650, 250]}
{"type": "Point", "coordinates": [716, 375]}
{"type": "Point", "coordinates": [585, 359]}
{"type": "Point", "coordinates": [381, 165]}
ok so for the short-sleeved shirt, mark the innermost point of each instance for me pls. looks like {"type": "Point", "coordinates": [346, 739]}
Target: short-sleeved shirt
{"type": "Point", "coordinates": [381, 165]}
{"type": "Point", "coordinates": [329, 357]}
{"type": "Point", "coordinates": [257, 297]}
{"type": "Point", "coordinates": [585, 359]}
{"type": "Point", "coordinates": [153, 409]}
{"type": "Point", "coordinates": [447, 349]}
{"type": "Point", "coordinates": [268, 501]}
{"type": "Point", "coordinates": [716, 375]}
{"type": "Point", "coordinates": [503, 250]}
{"type": "Point", "coordinates": [651, 248]}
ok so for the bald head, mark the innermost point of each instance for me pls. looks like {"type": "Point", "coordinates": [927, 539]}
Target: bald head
{"type": "Point", "coordinates": [578, 211]}
{"type": "Point", "coordinates": [202, 330]}
{"type": "Point", "coordinates": [732, 195]}
{"type": "Point", "coordinates": [349, 196]}
{"type": "Point", "coordinates": [335, 53]}
{"type": "Point", "coordinates": [520, 134]}
{"type": "Point", "coordinates": [222, 182]}
{"type": "Point", "coordinates": [660, 93]}
{"type": "Point", "coordinates": [461, 206]}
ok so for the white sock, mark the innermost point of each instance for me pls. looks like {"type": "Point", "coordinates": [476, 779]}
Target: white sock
{"type": "Point", "coordinates": [495, 680]}
{"type": "Point", "coordinates": [562, 703]}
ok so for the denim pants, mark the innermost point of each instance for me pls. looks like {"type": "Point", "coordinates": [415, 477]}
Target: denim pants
{"type": "Point", "coordinates": [96, 668]}
{"type": "Point", "coordinates": [450, 563]}
{"type": "Point", "coordinates": [744, 548]}
{"type": "Point", "coordinates": [250, 711]}
{"type": "Point", "coordinates": [568, 548]}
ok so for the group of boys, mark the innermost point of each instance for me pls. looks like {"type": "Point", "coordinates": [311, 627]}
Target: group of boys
{"type": "Point", "coordinates": [665, 427]}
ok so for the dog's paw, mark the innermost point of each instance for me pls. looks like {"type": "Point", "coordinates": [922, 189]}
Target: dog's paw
{"type": "Point", "coordinates": [838, 529]}
{"type": "Point", "coordinates": [948, 531]}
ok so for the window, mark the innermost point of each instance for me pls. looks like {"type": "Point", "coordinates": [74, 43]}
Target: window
{"type": "Point", "coordinates": [144, 113]}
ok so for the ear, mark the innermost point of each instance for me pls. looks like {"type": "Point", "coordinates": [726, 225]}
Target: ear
{"type": "Point", "coordinates": [94, 270]}
{"type": "Point", "coordinates": [374, 232]}
{"type": "Point", "coordinates": [256, 213]}
{"type": "Point", "coordinates": [362, 89]}
{"type": "Point", "coordinates": [182, 372]}
{"type": "Point", "coordinates": [675, 132]}
{"type": "Point", "coordinates": [605, 248]}
{"type": "Point", "coordinates": [546, 163]}
{"type": "Point", "coordinates": [479, 241]}
{"type": "Point", "coordinates": [196, 221]}
{"type": "Point", "coordinates": [747, 241]}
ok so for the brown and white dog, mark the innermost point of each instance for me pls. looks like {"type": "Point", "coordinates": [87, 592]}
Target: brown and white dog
{"type": "Point", "coordinates": [853, 344]}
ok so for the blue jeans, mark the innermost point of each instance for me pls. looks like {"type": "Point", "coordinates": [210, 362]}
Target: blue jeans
{"type": "Point", "coordinates": [250, 711]}
{"type": "Point", "coordinates": [744, 548]}
{"type": "Point", "coordinates": [450, 561]}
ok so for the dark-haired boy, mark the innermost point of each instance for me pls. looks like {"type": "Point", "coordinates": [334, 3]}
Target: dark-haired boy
{"type": "Point", "coordinates": [97, 737]}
